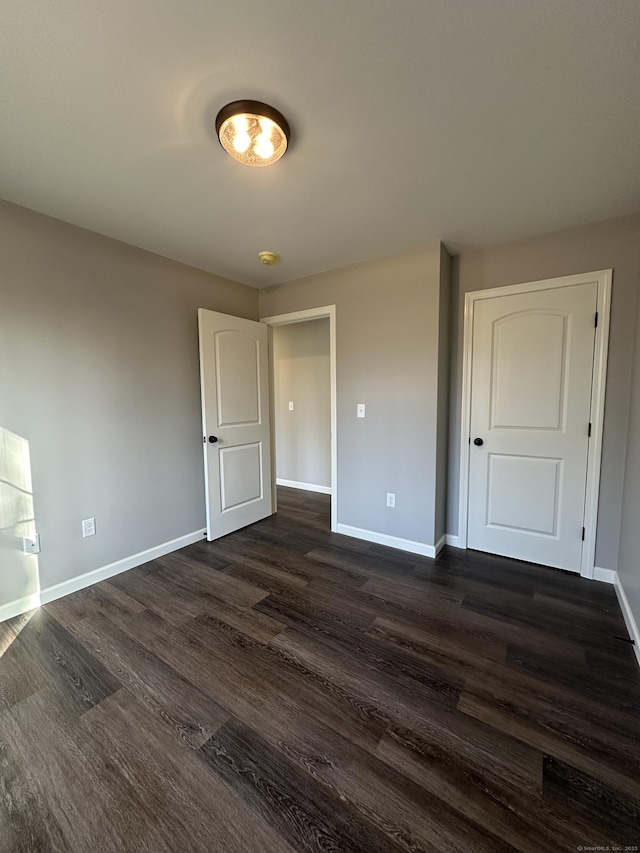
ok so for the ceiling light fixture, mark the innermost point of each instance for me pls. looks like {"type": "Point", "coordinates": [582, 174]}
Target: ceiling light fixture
{"type": "Point", "coordinates": [252, 133]}
{"type": "Point", "coordinates": [268, 258]}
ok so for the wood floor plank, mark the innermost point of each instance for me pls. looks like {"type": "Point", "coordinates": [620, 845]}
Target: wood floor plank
{"type": "Point", "coordinates": [27, 820]}
{"type": "Point", "coordinates": [254, 682]}
{"type": "Point", "coordinates": [521, 820]}
{"type": "Point", "coordinates": [20, 673]}
{"type": "Point", "coordinates": [194, 578]}
{"type": "Point", "coordinates": [77, 798]}
{"type": "Point", "coordinates": [102, 597]}
{"type": "Point", "coordinates": [409, 707]}
{"type": "Point", "coordinates": [456, 568]}
{"type": "Point", "coordinates": [596, 801]}
{"type": "Point", "coordinates": [201, 553]}
{"type": "Point", "coordinates": [596, 739]}
{"type": "Point", "coordinates": [475, 631]}
{"type": "Point", "coordinates": [601, 686]}
{"type": "Point", "coordinates": [286, 688]}
{"type": "Point", "coordinates": [266, 576]}
{"type": "Point", "coordinates": [360, 563]}
{"type": "Point", "coordinates": [191, 808]}
{"type": "Point", "coordinates": [158, 596]}
{"type": "Point", "coordinates": [189, 714]}
{"type": "Point", "coordinates": [308, 817]}
{"type": "Point", "coordinates": [64, 663]}
{"type": "Point", "coordinates": [363, 655]}
{"type": "Point", "coordinates": [260, 556]}
{"type": "Point", "coordinates": [386, 799]}
{"type": "Point", "coordinates": [553, 619]}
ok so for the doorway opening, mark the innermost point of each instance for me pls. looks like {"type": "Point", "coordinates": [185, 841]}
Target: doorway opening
{"type": "Point", "coordinates": [302, 356]}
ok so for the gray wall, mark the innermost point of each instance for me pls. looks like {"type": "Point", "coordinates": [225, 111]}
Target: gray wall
{"type": "Point", "coordinates": [387, 330]}
{"type": "Point", "coordinates": [629, 562]}
{"type": "Point", "coordinates": [302, 375]}
{"type": "Point", "coordinates": [612, 244]}
{"type": "Point", "coordinates": [99, 390]}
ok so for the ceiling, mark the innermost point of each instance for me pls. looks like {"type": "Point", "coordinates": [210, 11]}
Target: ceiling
{"type": "Point", "coordinates": [412, 121]}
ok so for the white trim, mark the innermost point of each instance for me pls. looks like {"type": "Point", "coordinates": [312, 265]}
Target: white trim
{"type": "Point", "coordinates": [601, 348]}
{"type": "Point", "coordinates": [442, 541]}
{"type": "Point", "coordinates": [301, 317]}
{"type": "Point", "coordinates": [19, 606]}
{"type": "Point", "coordinates": [453, 541]}
{"type": "Point", "coordinates": [307, 487]}
{"type": "Point", "coordinates": [598, 384]}
{"type": "Point", "coordinates": [604, 575]}
{"type": "Point", "coordinates": [629, 619]}
{"type": "Point", "coordinates": [59, 590]}
{"type": "Point", "coordinates": [390, 541]}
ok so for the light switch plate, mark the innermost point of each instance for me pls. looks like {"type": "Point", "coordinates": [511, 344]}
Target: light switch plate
{"type": "Point", "coordinates": [360, 410]}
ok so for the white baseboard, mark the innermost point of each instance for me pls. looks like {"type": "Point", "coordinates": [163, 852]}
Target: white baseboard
{"type": "Point", "coordinates": [442, 541]}
{"type": "Point", "coordinates": [59, 590]}
{"type": "Point", "coordinates": [390, 541]}
{"type": "Point", "coordinates": [307, 487]}
{"type": "Point", "coordinates": [452, 540]}
{"type": "Point", "coordinates": [604, 575]}
{"type": "Point", "coordinates": [19, 606]}
{"type": "Point", "coordinates": [629, 619]}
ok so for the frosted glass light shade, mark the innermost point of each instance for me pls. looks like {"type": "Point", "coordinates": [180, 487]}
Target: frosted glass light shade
{"type": "Point", "coordinates": [252, 133]}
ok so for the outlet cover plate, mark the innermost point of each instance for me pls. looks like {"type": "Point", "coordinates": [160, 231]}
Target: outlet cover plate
{"type": "Point", "coordinates": [31, 545]}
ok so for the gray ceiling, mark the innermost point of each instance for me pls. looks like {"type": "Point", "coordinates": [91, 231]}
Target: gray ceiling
{"type": "Point", "coordinates": [470, 121]}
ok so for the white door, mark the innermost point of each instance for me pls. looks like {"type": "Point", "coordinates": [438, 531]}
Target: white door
{"type": "Point", "coordinates": [531, 375]}
{"type": "Point", "coordinates": [234, 381]}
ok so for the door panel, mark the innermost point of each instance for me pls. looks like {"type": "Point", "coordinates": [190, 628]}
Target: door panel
{"type": "Point", "coordinates": [240, 475]}
{"type": "Point", "coordinates": [235, 410]}
{"type": "Point", "coordinates": [528, 349]}
{"type": "Point", "coordinates": [530, 404]}
{"type": "Point", "coordinates": [238, 378]}
{"type": "Point", "coordinates": [538, 479]}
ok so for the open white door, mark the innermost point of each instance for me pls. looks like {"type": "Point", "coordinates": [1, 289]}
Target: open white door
{"type": "Point", "coordinates": [234, 381]}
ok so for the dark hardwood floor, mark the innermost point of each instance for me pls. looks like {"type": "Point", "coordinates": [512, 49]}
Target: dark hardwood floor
{"type": "Point", "coordinates": [288, 689]}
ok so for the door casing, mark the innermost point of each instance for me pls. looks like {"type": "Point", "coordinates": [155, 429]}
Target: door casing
{"type": "Point", "coordinates": [603, 279]}
{"type": "Point", "coordinates": [302, 317]}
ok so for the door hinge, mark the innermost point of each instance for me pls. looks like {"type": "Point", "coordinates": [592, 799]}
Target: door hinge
{"type": "Point", "coordinates": [596, 323]}
{"type": "Point", "coordinates": [589, 432]}
{"type": "Point", "coordinates": [583, 534]}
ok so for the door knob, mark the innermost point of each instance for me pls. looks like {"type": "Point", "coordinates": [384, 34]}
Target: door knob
{"type": "Point", "coordinates": [477, 441]}
{"type": "Point", "coordinates": [213, 439]}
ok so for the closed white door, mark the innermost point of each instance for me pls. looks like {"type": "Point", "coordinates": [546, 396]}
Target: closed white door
{"type": "Point", "coordinates": [531, 376]}
{"type": "Point", "coordinates": [234, 381]}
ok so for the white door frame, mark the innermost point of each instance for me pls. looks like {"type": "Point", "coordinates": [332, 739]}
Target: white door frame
{"type": "Point", "coordinates": [302, 317]}
{"type": "Point", "coordinates": [603, 280]}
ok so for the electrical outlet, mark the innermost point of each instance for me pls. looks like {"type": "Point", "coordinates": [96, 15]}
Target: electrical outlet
{"type": "Point", "coordinates": [31, 545]}
{"type": "Point", "coordinates": [391, 500]}
{"type": "Point", "coordinates": [290, 405]}
{"type": "Point", "coordinates": [360, 410]}
{"type": "Point", "coordinates": [88, 527]}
